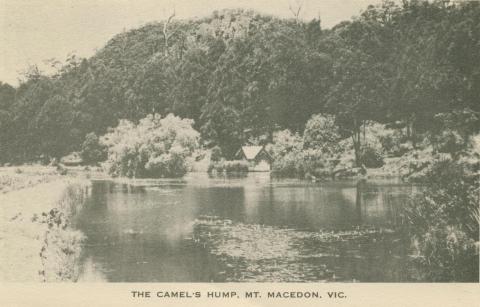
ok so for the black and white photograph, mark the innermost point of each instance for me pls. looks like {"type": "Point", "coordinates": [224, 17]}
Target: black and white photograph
{"type": "Point", "coordinates": [207, 141]}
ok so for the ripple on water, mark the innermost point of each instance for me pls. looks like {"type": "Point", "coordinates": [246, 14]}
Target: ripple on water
{"type": "Point", "coordinates": [252, 252]}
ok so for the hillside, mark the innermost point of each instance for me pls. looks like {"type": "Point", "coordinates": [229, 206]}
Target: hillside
{"type": "Point", "coordinates": [241, 76]}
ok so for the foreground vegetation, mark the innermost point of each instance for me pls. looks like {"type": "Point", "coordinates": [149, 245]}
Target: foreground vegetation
{"type": "Point", "coordinates": [443, 222]}
{"type": "Point", "coordinates": [38, 241]}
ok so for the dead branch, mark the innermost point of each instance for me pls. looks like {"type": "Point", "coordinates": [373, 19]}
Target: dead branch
{"type": "Point", "coordinates": [166, 35]}
{"type": "Point", "coordinates": [296, 10]}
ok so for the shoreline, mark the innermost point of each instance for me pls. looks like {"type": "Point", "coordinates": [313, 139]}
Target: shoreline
{"type": "Point", "coordinates": [35, 236]}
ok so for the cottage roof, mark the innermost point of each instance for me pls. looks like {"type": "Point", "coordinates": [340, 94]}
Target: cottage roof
{"type": "Point", "coordinates": [251, 152]}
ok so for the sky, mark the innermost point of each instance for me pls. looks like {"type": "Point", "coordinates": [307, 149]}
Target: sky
{"type": "Point", "coordinates": [32, 31]}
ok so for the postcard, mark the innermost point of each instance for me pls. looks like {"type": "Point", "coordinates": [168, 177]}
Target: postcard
{"type": "Point", "coordinates": [239, 153]}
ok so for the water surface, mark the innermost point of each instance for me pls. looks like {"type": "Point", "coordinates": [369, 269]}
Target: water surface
{"type": "Point", "coordinates": [201, 229]}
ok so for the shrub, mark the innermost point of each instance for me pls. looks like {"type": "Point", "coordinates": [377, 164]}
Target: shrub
{"type": "Point", "coordinates": [394, 142]}
{"type": "Point", "coordinates": [156, 147]}
{"type": "Point", "coordinates": [292, 157]}
{"type": "Point", "coordinates": [321, 133]}
{"type": "Point", "coordinates": [92, 151]}
{"type": "Point", "coordinates": [287, 153]}
{"type": "Point", "coordinates": [216, 154]}
{"type": "Point", "coordinates": [371, 157]}
{"type": "Point", "coordinates": [61, 170]}
{"type": "Point", "coordinates": [237, 166]}
{"type": "Point", "coordinates": [290, 165]}
{"type": "Point", "coordinates": [284, 142]}
{"type": "Point", "coordinates": [450, 141]}
{"type": "Point", "coordinates": [444, 222]}
{"type": "Point", "coordinates": [454, 130]}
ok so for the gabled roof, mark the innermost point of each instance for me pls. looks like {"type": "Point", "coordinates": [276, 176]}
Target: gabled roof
{"type": "Point", "coordinates": [251, 152]}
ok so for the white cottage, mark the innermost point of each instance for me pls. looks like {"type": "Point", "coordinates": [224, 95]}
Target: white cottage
{"type": "Point", "coordinates": [258, 158]}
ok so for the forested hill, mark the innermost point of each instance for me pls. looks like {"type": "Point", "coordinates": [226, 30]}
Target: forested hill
{"type": "Point", "coordinates": [241, 75]}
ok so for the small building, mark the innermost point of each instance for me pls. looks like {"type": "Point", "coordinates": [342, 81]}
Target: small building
{"type": "Point", "coordinates": [72, 159]}
{"type": "Point", "coordinates": [258, 158]}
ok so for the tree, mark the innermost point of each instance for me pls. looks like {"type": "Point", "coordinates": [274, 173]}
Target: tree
{"type": "Point", "coordinates": [241, 75]}
{"type": "Point", "coordinates": [92, 151]}
{"type": "Point", "coordinates": [7, 96]}
{"type": "Point", "coordinates": [360, 77]}
{"type": "Point", "coordinates": [216, 154]}
{"type": "Point", "coordinates": [31, 96]}
{"type": "Point", "coordinates": [54, 127]}
{"type": "Point", "coordinates": [321, 133]}
{"type": "Point", "coordinates": [296, 9]}
{"type": "Point", "coordinates": [166, 32]}
{"type": "Point", "coordinates": [156, 147]}
{"type": "Point", "coordinates": [287, 152]}
{"type": "Point", "coordinates": [453, 130]}
{"type": "Point", "coordinates": [357, 95]}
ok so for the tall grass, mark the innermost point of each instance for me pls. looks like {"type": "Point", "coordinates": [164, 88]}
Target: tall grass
{"type": "Point", "coordinates": [62, 244]}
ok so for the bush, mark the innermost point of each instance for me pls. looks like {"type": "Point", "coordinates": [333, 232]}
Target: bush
{"type": "Point", "coordinates": [321, 133]}
{"type": "Point", "coordinates": [454, 130]}
{"type": "Point", "coordinates": [371, 157]}
{"type": "Point", "coordinates": [289, 165]}
{"type": "Point", "coordinates": [238, 166]}
{"type": "Point", "coordinates": [444, 222]}
{"type": "Point", "coordinates": [156, 147]}
{"type": "Point", "coordinates": [394, 142]}
{"type": "Point", "coordinates": [216, 154]}
{"type": "Point", "coordinates": [287, 153]}
{"type": "Point", "coordinates": [450, 141]}
{"type": "Point", "coordinates": [92, 151]}
{"type": "Point", "coordinates": [284, 142]}
{"type": "Point", "coordinates": [292, 157]}
{"type": "Point", "coordinates": [166, 165]}
{"type": "Point", "coordinates": [61, 170]}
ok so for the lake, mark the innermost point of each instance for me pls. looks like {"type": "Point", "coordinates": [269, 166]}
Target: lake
{"type": "Point", "coordinates": [256, 228]}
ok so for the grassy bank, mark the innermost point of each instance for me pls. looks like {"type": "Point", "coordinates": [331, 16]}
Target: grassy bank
{"type": "Point", "coordinates": [36, 239]}
{"type": "Point", "coordinates": [19, 177]}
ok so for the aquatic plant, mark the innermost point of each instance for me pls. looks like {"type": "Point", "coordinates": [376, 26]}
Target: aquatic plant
{"type": "Point", "coordinates": [252, 252]}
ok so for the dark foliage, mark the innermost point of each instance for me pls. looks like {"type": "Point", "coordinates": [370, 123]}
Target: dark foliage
{"type": "Point", "coordinates": [92, 152]}
{"type": "Point", "coordinates": [241, 75]}
{"type": "Point", "coordinates": [444, 222]}
{"type": "Point", "coordinates": [371, 157]}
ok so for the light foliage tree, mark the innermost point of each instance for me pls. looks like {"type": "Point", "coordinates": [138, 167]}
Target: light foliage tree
{"type": "Point", "coordinates": [155, 147]}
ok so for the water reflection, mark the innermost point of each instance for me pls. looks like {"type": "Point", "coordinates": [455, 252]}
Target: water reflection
{"type": "Point", "coordinates": [148, 230]}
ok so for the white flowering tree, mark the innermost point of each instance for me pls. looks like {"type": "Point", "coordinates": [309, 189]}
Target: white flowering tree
{"type": "Point", "coordinates": [156, 147]}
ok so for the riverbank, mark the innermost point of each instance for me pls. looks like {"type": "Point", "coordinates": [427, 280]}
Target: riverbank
{"type": "Point", "coordinates": [36, 239]}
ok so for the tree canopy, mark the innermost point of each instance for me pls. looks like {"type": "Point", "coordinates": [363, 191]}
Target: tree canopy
{"type": "Point", "coordinates": [241, 75]}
